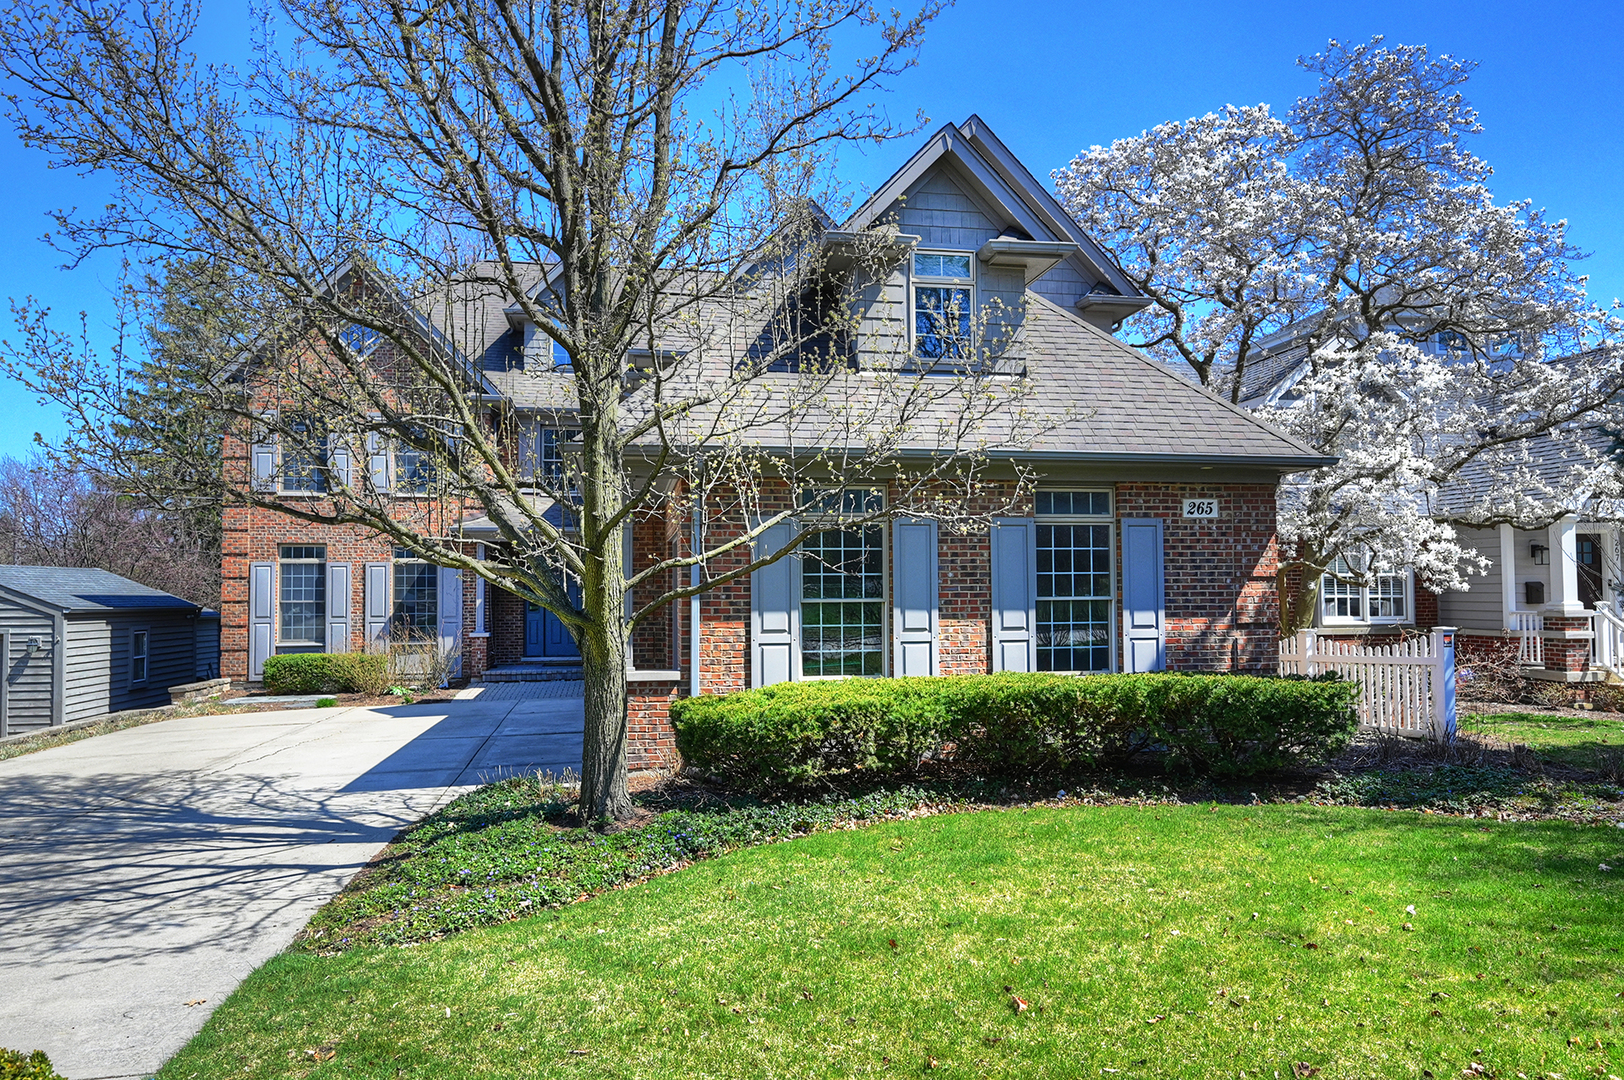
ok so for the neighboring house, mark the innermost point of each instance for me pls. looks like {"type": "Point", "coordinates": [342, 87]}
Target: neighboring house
{"type": "Point", "coordinates": [82, 643]}
{"type": "Point", "coordinates": [1550, 595]}
{"type": "Point", "coordinates": [1148, 544]}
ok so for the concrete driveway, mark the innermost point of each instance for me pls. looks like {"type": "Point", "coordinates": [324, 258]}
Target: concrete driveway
{"type": "Point", "coordinates": [147, 870]}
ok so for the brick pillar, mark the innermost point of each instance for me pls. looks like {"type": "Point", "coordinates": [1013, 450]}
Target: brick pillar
{"type": "Point", "coordinates": [651, 743]}
{"type": "Point", "coordinates": [1567, 643]}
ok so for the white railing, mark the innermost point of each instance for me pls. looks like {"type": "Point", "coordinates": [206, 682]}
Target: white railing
{"type": "Point", "coordinates": [1529, 626]}
{"type": "Point", "coordinates": [1607, 644]}
{"type": "Point", "coordinates": [1408, 688]}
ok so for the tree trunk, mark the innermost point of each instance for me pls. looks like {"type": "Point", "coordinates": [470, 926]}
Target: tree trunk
{"type": "Point", "coordinates": [1299, 613]}
{"type": "Point", "coordinates": [604, 793]}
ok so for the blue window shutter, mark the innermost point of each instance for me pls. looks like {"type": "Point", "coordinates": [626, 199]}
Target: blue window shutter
{"type": "Point", "coordinates": [1143, 620]}
{"type": "Point", "coordinates": [377, 603]}
{"type": "Point", "coordinates": [262, 466]}
{"type": "Point", "coordinates": [914, 614]}
{"type": "Point", "coordinates": [261, 616]}
{"type": "Point", "coordinates": [775, 611]}
{"type": "Point", "coordinates": [338, 462]}
{"type": "Point", "coordinates": [1014, 594]}
{"type": "Point", "coordinates": [451, 617]}
{"type": "Point", "coordinates": [338, 607]}
{"type": "Point", "coordinates": [378, 461]}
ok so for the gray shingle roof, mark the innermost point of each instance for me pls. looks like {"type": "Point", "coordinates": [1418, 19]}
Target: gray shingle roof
{"type": "Point", "coordinates": [1128, 404]}
{"type": "Point", "coordinates": [73, 590]}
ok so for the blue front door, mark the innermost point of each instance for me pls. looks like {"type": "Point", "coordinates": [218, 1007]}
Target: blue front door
{"type": "Point", "coordinates": [545, 634]}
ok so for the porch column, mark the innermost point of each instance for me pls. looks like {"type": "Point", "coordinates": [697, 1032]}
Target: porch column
{"type": "Point", "coordinates": [1565, 568]}
{"type": "Point", "coordinates": [1508, 575]}
{"type": "Point", "coordinates": [1567, 623]}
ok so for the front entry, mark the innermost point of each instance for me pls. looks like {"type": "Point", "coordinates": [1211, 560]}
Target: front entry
{"type": "Point", "coordinates": [545, 635]}
{"type": "Point", "coordinates": [1587, 549]}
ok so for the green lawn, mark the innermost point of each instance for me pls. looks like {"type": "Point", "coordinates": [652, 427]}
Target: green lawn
{"type": "Point", "coordinates": [1583, 742]}
{"type": "Point", "coordinates": [1147, 941]}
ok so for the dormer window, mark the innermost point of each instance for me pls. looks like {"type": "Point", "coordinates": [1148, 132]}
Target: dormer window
{"type": "Point", "coordinates": [943, 301]}
{"type": "Point", "coordinates": [360, 340]}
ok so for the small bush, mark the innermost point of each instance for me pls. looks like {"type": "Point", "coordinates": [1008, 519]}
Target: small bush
{"type": "Point", "coordinates": [361, 673]}
{"type": "Point", "coordinates": [16, 1065]}
{"type": "Point", "coordinates": [327, 673]}
{"type": "Point", "coordinates": [800, 734]}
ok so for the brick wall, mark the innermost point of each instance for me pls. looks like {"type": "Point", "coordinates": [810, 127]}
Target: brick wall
{"type": "Point", "coordinates": [650, 743]}
{"type": "Point", "coordinates": [253, 535]}
{"type": "Point", "coordinates": [1222, 613]}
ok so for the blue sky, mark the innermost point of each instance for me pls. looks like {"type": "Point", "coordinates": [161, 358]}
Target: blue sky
{"type": "Point", "coordinates": [1055, 77]}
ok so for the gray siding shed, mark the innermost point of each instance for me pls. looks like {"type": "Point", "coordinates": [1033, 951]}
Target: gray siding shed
{"type": "Point", "coordinates": [70, 638]}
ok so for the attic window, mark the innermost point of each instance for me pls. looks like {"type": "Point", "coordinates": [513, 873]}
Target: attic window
{"type": "Point", "coordinates": [360, 340]}
{"type": "Point", "coordinates": [943, 300]}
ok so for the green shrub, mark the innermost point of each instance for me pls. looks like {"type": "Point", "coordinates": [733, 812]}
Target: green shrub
{"type": "Point", "coordinates": [360, 673]}
{"type": "Point", "coordinates": [327, 673]}
{"type": "Point", "coordinates": [800, 734]}
{"type": "Point", "coordinates": [16, 1065]}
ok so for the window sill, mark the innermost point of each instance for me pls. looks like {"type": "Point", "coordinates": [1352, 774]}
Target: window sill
{"type": "Point", "coordinates": [1363, 628]}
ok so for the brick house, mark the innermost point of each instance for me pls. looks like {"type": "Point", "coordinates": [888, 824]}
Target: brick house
{"type": "Point", "coordinates": [1148, 542]}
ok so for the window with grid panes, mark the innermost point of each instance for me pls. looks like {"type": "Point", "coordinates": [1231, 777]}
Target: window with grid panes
{"type": "Point", "coordinates": [302, 599]}
{"type": "Point", "coordinates": [1076, 583]}
{"type": "Point", "coordinates": [1343, 600]}
{"type": "Point", "coordinates": [843, 589]}
{"type": "Point", "coordinates": [304, 455]}
{"type": "Point", "coordinates": [417, 598]}
{"type": "Point", "coordinates": [944, 301]}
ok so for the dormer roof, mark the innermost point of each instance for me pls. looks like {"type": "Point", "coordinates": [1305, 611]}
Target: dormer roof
{"type": "Point", "coordinates": [984, 166]}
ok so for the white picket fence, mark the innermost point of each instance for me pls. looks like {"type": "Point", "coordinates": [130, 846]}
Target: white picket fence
{"type": "Point", "coordinates": [1408, 687]}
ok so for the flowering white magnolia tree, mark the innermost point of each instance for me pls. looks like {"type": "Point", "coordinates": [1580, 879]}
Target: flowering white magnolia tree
{"type": "Point", "coordinates": [1352, 259]}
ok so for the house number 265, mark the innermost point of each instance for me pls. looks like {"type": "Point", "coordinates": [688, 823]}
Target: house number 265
{"type": "Point", "coordinates": [1200, 508]}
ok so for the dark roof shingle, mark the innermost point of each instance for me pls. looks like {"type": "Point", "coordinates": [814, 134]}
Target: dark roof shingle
{"type": "Point", "coordinates": [74, 590]}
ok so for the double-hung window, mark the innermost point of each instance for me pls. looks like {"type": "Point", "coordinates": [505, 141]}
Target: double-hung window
{"type": "Point", "coordinates": [943, 306]}
{"type": "Point", "coordinates": [417, 598]}
{"type": "Point", "coordinates": [302, 598]}
{"type": "Point", "coordinates": [1076, 580]}
{"type": "Point", "coordinates": [304, 456]}
{"type": "Point", "coordinates": [842, 587]}
{"type": "Point", "coordinates": [414, 469]}
{"type": "Point", "coordinates": [1346, 599]}
{"type": "Point", "coordinates": [139, 654]}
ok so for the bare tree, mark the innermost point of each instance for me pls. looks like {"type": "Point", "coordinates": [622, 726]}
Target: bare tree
{"type": "Point", "coordinates": [51, 515]}
{"type": "Point", "coordinates": [645, 180]}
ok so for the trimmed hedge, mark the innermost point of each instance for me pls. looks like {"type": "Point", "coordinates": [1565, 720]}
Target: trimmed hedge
{"type": "Point", "coordinates": [802, 734]}
{"type": "Point", "coordinates": [327, 673]}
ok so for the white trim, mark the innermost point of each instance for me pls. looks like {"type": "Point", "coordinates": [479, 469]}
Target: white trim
{"type": "Point", "coordinates": [1365, 593]}
{"type": "Point", "coordinates": [146, 657]}
{"type": "Point", "coordinates": [930, 281]}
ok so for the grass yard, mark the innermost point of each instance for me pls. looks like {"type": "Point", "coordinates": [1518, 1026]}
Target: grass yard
{"type": "Point", "coordinates": [1587, 741]}
{"type": "Point", "coordinates": [1144, 940]}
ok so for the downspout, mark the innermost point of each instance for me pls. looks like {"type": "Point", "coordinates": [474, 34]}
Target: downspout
{"type": "Point", "coordinates": [694, 578]}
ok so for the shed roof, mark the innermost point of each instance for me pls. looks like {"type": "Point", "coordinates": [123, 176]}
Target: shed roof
{"type": "Point", "coordinates": [74, 590]}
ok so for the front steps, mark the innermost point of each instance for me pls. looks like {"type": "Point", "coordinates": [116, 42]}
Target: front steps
{"type": "Point", "coordinates": [538, 670]}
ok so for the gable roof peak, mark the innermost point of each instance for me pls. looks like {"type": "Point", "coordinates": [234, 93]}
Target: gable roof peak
{"type": "Point", "coordinates": [997, 178]}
